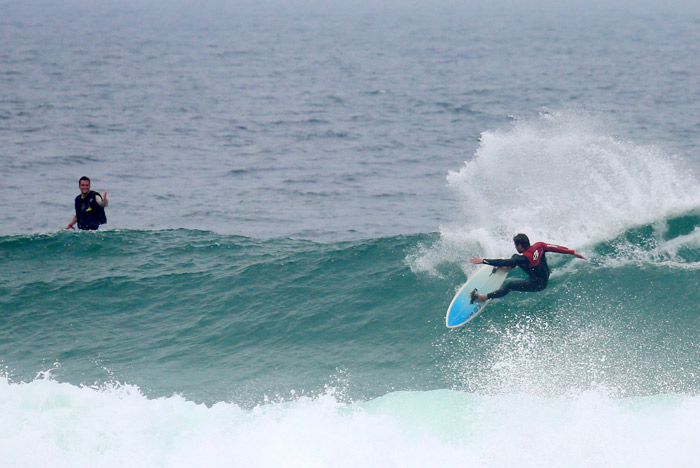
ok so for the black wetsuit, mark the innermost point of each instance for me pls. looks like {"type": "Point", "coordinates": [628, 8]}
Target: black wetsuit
{"type": "Point", "coordinates": [89, 213]}
{"type": "Point", "coordinates": [533, 262]}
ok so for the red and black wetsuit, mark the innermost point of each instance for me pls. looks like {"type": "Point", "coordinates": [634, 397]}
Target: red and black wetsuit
{"type": "Point", "coordinates": [533, 262]}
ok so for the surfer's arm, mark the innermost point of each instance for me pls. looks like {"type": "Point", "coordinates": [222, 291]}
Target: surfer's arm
{"type": "Point", "coordinates": [562, 250]}
{"type": "Point", "coordinates": [72, 222]}
{"type": "Point", "coordinates": [102, 199]}
{"type": "Point", "coordinates": [514, 261]}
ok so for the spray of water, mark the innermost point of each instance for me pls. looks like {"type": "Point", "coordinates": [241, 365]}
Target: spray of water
{"type": "Point", "coordinates": [562, 177]}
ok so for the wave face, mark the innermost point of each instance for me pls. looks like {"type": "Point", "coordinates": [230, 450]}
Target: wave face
{"type": "Point", "coordinates": [211, 316]}
{"type": "Point", "coordinates": [230, 318]}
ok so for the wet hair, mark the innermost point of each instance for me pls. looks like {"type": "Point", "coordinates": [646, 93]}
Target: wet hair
{"type": "Point", "coordinates": [522, 240]}
{"type": "Point", "coordinates": [84, 178]}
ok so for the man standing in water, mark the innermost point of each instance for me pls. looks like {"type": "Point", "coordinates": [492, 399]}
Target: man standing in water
{"type": "Point", "coordinates": [89, 207]}
{"type": "Point", "coordinates": [531, 258]}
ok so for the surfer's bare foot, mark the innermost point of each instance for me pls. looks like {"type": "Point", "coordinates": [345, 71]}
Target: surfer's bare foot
{"type": "Point", "coordinates": [476, 297]}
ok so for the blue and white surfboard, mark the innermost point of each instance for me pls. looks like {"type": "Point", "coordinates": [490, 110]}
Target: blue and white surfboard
{"type": "Point", "coordinates": [486, 279]}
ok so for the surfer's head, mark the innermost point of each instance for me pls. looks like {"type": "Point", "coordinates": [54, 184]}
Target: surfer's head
{"type": "Point", "coordinates": [521, 241]}
{"type": "Point", "coordinates": [84, 184]}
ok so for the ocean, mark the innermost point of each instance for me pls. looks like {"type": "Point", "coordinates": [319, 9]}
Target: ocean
{"type": "Point", "coordinates": [295, 191]}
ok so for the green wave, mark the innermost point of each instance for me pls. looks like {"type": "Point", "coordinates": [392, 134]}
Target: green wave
{"type": "Point", "coordinates": [672, 238]}
{"type": "Point", "coordinates": [227, 317]}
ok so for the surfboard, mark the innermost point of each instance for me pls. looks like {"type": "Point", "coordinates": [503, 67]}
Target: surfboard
{"type": "Point", "coordinates": [486, 279]}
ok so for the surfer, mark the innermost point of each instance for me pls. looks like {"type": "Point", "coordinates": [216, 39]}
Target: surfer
{"type": "Point", "coordinates": [531, 258]}
{"type": "Point", "coordinates": [89, 207]}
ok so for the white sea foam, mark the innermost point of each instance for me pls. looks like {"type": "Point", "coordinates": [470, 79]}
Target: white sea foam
{"type": "Point", "coordinates": [47, 423]}
{"type": "Point", "coordinates": [562, 177]}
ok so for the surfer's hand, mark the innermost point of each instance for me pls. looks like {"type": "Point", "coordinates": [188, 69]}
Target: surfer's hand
{"type": "Point", "coordinates": [476, 260]}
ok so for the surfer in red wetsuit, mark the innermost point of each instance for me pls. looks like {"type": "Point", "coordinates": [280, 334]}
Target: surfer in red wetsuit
{"type": "Point", "coordinates": [531, 258]}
